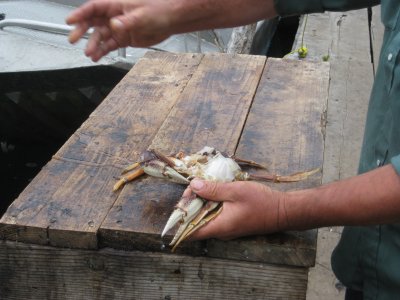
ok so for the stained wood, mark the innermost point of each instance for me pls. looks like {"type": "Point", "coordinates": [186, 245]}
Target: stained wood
{"type": "Point", "coordinates": [211, 111]}
{"type": "Point", "coordinates": [285, 248]}
{"type": "Point", "coordinates": [66, 203]}
{"type": "Point", "coordinates": [171, 103]}
{"type": "Point", "coordinates": [284, 132]}
{"type": "Point", "coordinates": [40, 272]}
{"type": "Point", "coordinates": [345, 37]}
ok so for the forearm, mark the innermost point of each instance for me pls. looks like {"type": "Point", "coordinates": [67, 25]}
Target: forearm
{"type": "Point", "coordinates": [207, 14]}
{"type": "Point", "coordinates": [371, 198]}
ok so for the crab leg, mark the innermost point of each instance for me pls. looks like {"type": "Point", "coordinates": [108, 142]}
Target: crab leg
{"type": "Point", "coordinates": [163, 158]}
{"type": "Point", "coordinates": [288, 178]}
{"type": "Point", "coordinates": [160, 169]}
{"type": "Point", "coordinates": [250, 163]}
{"type": "Point", "coordinates": [154, 164]}
{"type": "Point", "coordinates": [130, 168]}
{"type": "Point", "coordinates": [124, 179]}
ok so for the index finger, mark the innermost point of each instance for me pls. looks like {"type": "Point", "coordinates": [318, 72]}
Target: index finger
{"type": "Point", "coordinates": [216, 191]}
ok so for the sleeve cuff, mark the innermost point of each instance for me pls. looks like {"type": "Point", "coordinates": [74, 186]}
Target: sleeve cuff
{"type": "Point", "coordinates": [396, 163]}
{"type": "Point", "coordinates": [295, 7]}
{"type": "Point", "coordinates": [300, 7]}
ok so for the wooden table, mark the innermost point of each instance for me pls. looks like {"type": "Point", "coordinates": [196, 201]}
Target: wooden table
{"type": "Point", "coordinates": [69, 236]}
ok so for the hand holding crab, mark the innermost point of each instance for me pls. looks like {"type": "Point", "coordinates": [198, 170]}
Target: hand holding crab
{"type": "Point", "coordinates": [250, 208]}
{"type": "Point", "coordinates": [192, 212]}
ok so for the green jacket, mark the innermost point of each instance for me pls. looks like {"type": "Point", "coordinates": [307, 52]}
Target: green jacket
{"type": "Point", "coordinates": [368, 258]}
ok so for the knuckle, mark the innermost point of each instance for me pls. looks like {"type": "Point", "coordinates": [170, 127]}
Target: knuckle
{"type": "Point", "coordinates": [134, 20]}
{"type": "Point", "coordinates": [213, 189]}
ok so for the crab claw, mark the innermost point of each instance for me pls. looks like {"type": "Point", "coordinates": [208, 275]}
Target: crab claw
{"type": "Point", "coordinates": [154, 164]}
{"type": "Point", "coordinates": [208, 212]}
{"type": "Point", "coordinates": [185, 211]}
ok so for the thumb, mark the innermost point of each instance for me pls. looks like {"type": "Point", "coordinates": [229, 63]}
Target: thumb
{"type": "Point", "coordinates": [216, 191]}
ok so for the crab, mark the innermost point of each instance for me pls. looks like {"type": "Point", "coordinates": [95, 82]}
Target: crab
{"type": "Point", "coordinates": [192, 212]}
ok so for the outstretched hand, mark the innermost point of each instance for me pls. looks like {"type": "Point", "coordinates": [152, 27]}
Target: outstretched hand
{"type": "Point", "coordinates": [143, 23]}
{"type": "Point", "coordinates": [120, 23]}
{"type": "Point", "coordinates": [248, 208]}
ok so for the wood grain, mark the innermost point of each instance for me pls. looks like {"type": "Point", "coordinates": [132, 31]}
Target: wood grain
{"type": "Point", "coordinates": [285, 127]}
{"type": "Point", "coordinates": [284, 132]}
{"type": "Point", "coordinates": [272, 112]}
{"type": "Point", "coordinates": [345, 37]}
{"type": "Point", "coordinates": [66, 203]}
{"type": "Point", "coordinates": [211, 111]}
{"type": "Point", "coordinates": [41, 272]}
{"type": "Point", "coordinates": [171, 103]}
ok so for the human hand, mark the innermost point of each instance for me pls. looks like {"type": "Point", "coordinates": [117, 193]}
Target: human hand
{"type": "Point", "coordinates": [248, 208]}
{"type": "Point", "coordinates": [120, 23]}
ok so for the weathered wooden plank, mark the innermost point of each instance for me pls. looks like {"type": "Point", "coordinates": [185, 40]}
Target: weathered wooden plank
{"type": "Point", "coordinates": [285, 127]}
{"type": "Point", "coordinates": [333, 34]}
{"type": "Point", "coordinates": [284, 131]}
{"type": "Point", "coordinates": [40, 272]}
{"type": "Point", "coordinates": [66, 203]}
{"type": "Point", "coordinates": [13, 224]}
{"type": "Point", "coordinates": [344, 37]}
{"type": "Point", "coordinates": [213, 108]}
{"type": "Point", "coordinates": [286, 248]}
{"type": "Point", "coordinates": [211, 111]}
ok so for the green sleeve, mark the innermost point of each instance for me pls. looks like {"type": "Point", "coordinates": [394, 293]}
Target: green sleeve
{"type": "Point", "coordinates": [299, 7]}
{"type": "Point", "coordinates": [396, 163]}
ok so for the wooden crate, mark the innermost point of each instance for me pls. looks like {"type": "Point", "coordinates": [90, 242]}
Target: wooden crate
{"type": "Point", "coordinates": [68, 236]}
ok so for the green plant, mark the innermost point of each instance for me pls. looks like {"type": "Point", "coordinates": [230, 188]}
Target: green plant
{"type": "Point", "coordinates": [303, 50]}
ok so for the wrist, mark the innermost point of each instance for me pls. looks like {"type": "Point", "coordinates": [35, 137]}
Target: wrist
{"type": "Point", "coordinates": [298, 209]}
{"type": "Point", "coordinates": [189, 16]}
{"type": "Point", "coordinates": [282, 217]}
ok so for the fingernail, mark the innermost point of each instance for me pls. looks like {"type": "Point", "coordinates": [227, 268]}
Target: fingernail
{"type": "Point", "coordinates": [196, 184]}
{"type": "Point", "coordinates": [116, 23]}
